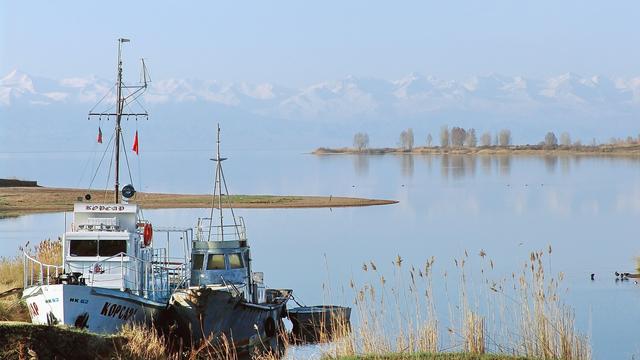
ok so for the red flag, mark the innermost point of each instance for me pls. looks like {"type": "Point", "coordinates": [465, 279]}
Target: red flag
{"type": "Point", "coordinates": [99, 135]}
{"type": "Point", "coordinates": [135, 143]}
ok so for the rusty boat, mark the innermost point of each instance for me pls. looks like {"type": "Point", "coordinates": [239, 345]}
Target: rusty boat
{"type": "Point", "coordinates": [225, 300]}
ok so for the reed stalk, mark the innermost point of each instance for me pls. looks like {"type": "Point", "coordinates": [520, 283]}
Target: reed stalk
{"type": "Point", "coordinates": [522, 315]}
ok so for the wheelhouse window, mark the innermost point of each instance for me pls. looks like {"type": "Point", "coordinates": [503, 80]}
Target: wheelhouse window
{"type": "Point", "coordinates": [112, 247]}
{"type": "Point", "coordinates": [196, 261]}
{"type": "Point", "coordinates": [83, 248]}
{"type": "Point", "coordinates": [215, 262]}
{"type": "Point", "coordinates": [235, 261]}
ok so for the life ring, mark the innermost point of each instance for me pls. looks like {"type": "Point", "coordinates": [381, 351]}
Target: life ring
{"type": "Point", "coordinates": [147, 234]}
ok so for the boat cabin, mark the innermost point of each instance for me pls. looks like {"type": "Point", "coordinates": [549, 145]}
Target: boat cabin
{"type": "Point", "coordinates": [219, 262]}
{"type": "Point", "coordinates": [221, 257]}
{"type": "Point", "coordinates": [110, 247]}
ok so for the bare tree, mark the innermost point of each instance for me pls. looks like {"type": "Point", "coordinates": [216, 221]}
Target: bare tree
{"type": "Point", "coordinates": [458, 135]}
{"type": "Point", "coordinates": [444, 137]}
{"type": "Point", "coordinates": [429, 140]}
{"type": "Point", "coordinates": [550, 140]}
{"type": "Point", "coordinates": [406, 139]}
{"type": "Point", "coordinates": [630, 140]}
{"type": "Point", "coordinates": [485, 139]}
{"type": "Point", "coordinates": [361, 141]}
{"type": "Point", "coordinates": [565, 139]}
{"type": "Point", "coordinates": [593, 142]}
{"type": "Point", "coordinates": [471, 140]}
{"type": "Point", "coordinates": [504, 137]}
{"type": "Point", "coordinates": [410, 138]}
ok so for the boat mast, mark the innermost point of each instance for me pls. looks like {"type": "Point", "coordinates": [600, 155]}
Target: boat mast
{"type": "Point", "coordinates": [219, 182]}
{"type": "Point", "coordinates": [217, 194]}
{"type": "Point", "coordinates": [217, 188]}
{"type": "Point", "coordinates": [119, 106]}
{"type": "Point", "coordinates": [121, 100]}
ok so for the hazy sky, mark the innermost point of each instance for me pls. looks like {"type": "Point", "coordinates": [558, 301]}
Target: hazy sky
{"type": "Point", "coordinates": [296, 43]}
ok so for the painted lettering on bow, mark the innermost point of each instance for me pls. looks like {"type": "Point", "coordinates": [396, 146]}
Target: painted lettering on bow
{"type": "Point", "coordinates": [118, 311]}
{"type": "Point", "coordinates": [33, 309]}
{"type": "Point", "coordinates": [105, 208]}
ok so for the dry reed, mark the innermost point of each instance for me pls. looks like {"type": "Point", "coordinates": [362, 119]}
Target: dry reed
{"type": "Point", "coordinates": [143, 343]}
{"type": "Point", "coordinates": [146, 343]}
{"type": "Point", "coordinates": [522, 315]}
{"type": "Point", "coordinates": [11, 277]}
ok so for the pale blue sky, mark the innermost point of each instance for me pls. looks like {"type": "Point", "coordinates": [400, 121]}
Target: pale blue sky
{"type": "Point", "coordinates": [297, 43]}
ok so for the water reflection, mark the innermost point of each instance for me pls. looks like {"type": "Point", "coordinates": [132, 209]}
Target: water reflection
{"type": "Point", "coordinates": [444, 166]}
{"type": "Point", "coordinates": [504, 163]}
{"type": "Point", "coordinates": [565, 164]}
{"type": "Point", "coordinates": [407, 165]}
{"type": "Point", "coordinates": [458, 166]}
{"type": "Point", "coordinates": [550, 163]}
{"type": "Point", "coordinates": [429, 162]}
{"type": "Point", "coordinates": [361, 164]}
{"type": "Point", "coordinates": [486, 164]}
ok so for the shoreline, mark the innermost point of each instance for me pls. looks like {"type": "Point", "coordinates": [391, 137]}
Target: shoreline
{"type": "Point", "coordinates": [632, 150]}
{"type": "Point", "coordinates": [17, 201]}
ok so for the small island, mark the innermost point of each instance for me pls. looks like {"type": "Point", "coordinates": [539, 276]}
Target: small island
{"type": "Point", "coordinates": [21, 200]}
{"type": "Point", "coordinates": [598, 150]}
{"type": "Point", "coordinates": [459, 141]}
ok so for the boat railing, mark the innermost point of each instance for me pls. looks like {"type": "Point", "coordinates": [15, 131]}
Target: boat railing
{"type": "Point", "coordinates": [153, 276]}
{"type": "Point", "coordinates": [35, 272]}
{"type": "Point", "coordinates": [207, 230]}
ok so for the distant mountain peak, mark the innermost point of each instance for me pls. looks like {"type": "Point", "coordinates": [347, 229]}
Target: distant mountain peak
{"type": "Point", "coordinates": [351, 96]}
{"type": "Point", "coordinates": [17, 79]}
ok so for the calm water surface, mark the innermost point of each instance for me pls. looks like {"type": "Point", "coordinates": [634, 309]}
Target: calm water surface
{"type": "Point", "coordinates": [586, 209]}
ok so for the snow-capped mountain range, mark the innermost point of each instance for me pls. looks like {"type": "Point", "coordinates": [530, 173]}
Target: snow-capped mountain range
{"type": "Point", "coordinates": [352, 97]}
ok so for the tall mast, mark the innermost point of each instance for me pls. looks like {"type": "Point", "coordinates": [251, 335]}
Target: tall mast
{"type": "Point", "coordinates": [219, 177]}
{"type": "Point", "coordinates": [121, 100]}
{"type": "Point", "coordinates": [119, 106]}
{"type": "Point", "coordinates": [220, 182]}
{"type": "Point", "coordinates": [217, 188]}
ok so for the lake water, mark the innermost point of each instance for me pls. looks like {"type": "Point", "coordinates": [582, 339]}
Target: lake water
{"type": "Point", "coordinates": [586, 209]}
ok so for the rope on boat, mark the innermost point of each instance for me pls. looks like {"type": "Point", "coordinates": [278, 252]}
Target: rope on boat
{"type": "Point", "coordinates": [296, 301]}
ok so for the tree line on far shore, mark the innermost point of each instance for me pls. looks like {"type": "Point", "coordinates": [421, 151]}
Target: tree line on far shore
{"type": "Point", "coordinates": [458, 137]}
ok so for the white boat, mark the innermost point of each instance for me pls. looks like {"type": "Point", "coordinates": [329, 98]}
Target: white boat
{"type": "Point", "coordinates": [111, 272]}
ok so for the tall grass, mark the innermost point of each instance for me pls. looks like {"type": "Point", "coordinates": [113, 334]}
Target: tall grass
{"type": "Point", "coordinates": [146, 343]}
{"type": "Point", "coordinates": [520, 315]}
{"type": "Point", "coordinates": [11, 277]}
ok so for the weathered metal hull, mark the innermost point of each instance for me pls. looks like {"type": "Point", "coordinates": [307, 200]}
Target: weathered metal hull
{"type": "Point", "coordinates": [211, 314]}
{"type": "Point", "coordinates": [98, 310]}
{"type": "Point", "coordinates": [313, 324]}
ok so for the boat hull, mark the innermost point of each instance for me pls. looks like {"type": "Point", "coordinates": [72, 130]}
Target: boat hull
{"type": "Point", "coordinates": [199, 314]}
{"type": "Point", "coordinates": [99, 310]}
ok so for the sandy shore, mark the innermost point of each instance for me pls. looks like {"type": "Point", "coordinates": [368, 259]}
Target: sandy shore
{"type": "Point", "coordinates": [23, 200]}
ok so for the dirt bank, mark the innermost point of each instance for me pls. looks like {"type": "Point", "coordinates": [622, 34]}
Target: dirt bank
{"type": "Point", "coordinates": [20, 340]}
{"type": "Point", "coordinates": [16, 201]}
